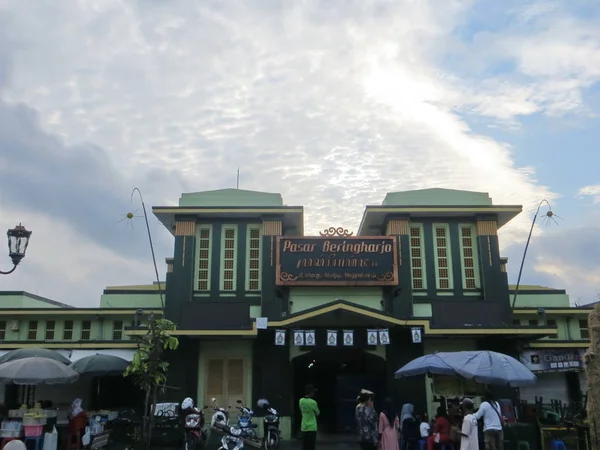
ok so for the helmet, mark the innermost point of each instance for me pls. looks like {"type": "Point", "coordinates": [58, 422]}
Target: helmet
{"type": "Point", "coordinates": [187, 403]}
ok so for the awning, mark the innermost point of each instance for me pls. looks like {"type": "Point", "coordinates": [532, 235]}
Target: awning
{"type": "Point", "coordinates": [126, 354]}
{"type": "Point", "coordinates": [65, 353]}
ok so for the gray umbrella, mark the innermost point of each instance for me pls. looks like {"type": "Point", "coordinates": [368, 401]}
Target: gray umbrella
{"type": "Point", "coordinates": [31, 352]}
{"type": "Point", "coordinates": [37, 370]}
{"type": "Point", "coordinates": [99, 365]}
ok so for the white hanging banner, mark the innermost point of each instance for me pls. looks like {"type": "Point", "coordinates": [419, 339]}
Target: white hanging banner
{"type": "Point", "coordinates": [371, 337]}
{"type": "Point", "coordinates": [279, 337]}
{"type": "Point", "coordinates": [384, 337]}
{"type": "Point", "coordinates": [349, 337]}
{"type": "Point", "coordinates": [309, 337]}
{"type": "Point", "coordinates": [416, 335]}
{"type": "Point", "coordinates": [299, 338]}
{"type": "Point", "coordinates": [332, 336]}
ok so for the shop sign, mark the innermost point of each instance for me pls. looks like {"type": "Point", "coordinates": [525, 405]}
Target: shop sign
{"type": "Point", "coordinates": [548, 360]}
{"type": "Point", "coordinates": [337, 261]}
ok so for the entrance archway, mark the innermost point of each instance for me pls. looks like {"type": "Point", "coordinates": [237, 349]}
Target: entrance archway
{"type": "Point", "coordinates": [338, 374]}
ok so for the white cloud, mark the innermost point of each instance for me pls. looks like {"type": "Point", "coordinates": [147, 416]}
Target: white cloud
{"type": "Point", "coordinates": [592, 191]}
{"type": "Point", "coordinates": [331, 105]}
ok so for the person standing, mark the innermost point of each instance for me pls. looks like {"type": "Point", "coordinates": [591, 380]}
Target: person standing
{"type": "Point", "coordinates": [310, 411]}
{"type": "Point", "coordinates": [493, 436]}
{"type": "Point", "coordinates": [366, 422]}
{"type": "Point", "coordinates": [388, 426]}
{"type": "Point", "coordinates": [441, 429]}
{"type": "Point", "coordinates": [469, 434]}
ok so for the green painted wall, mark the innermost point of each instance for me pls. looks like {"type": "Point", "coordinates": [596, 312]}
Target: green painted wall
{"type": "Point", "coordinates": [567, 327]}
{"type": "Point", "coordinates": [226, 198]}
{"type": "Point", "coordinates": [422, 310]}
{"type": "Point", "coordinates": [130, 300]}
{"type": "Point", "coordinates": [437, 197]}
{"type": "Point", "coordinates": [25, 301]}
{"type": "Point", "coordinates": [540, 297]}
{"type": "Point", "coordinates": [303, 298]}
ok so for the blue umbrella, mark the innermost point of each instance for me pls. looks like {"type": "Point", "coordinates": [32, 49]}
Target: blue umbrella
{"type": "Point", "coordinates": [484, 367]}
{"type": "Point", "coordinates": [429, 364]}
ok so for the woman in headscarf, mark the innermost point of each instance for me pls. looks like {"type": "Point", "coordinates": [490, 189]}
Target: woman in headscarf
{"type": "Point", "coordinates": [408, 425]}
{"type": "Point", "coordinates": [77, 422]}
{"type": "Point", "coordinates": [441, 429]}
{"type": "Point", "coordinates": [389, 426]}
{"type": "Point", "coordinates": [366, 422]}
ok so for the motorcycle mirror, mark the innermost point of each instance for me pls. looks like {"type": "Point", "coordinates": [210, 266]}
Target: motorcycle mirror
{"type": "Point", "coordinates": [214, 400]}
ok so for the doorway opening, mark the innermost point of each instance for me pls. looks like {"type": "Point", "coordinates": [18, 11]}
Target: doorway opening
{"type": "Point", "coordinates": [339, 375]}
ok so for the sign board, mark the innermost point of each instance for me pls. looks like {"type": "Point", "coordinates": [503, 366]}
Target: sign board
{"type": "Point", "coordinates": [337, 261]}
{"type": "Point", "coordinates": [548, 360]}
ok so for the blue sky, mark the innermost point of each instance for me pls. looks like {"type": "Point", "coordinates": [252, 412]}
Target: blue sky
{"type": "Point", "coordinates": [332, 105]}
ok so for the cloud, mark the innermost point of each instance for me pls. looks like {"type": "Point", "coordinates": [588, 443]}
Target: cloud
{"type": "Point", "coordinates": [331, 105]}
{"type": "Point", "coordinates": [592, 191]}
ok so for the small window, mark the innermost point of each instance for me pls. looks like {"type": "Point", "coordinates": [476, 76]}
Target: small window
{"type": "Point", "coordinates": [2, 330]}
{"type": "Point", "coordinates": [583, 328]}
{"type": "Point", "coordinates": [203, 258]}
{"type": "Point", "coordinates": [516, 323]}
{"type": "Point", "coordinates": [86, 330]}
{"type": "Point", "coordinates": [533, 322]}
{"type": "Point", "coordinates": [253, 259]}
{"type": "Point", "coordinates": [32, 330]}
{"type": "Point", "coordinates": [551, 323]}
{"type": "Point", "coordinates": [417, 257]}
{"type": "Point", "coordinates": [50, 327]}
{"type": "Point", "coordinates": [117, 330]}
{"type": "Point", "coordinates": [229, 258]}
{"type": "Point", "coordinates": [68, 331]}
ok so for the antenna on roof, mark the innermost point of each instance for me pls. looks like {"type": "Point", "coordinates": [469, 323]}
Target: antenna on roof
{"type": "Point", "coordinates": [237, 185]}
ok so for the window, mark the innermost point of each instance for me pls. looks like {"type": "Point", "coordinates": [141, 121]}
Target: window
{"type": "Point", "coordinates": [68, 330]}
{"type": "Point", "coordinates": [417, 257]}
{"type": "Point", "coordinates": [32, 330]}
{"type": "Point", "coordinates": [468, 257]}
{"type": "Point", "coordinates": [117, 330]}
{"type": "Point", "coordinates": [2, 330]}
{"type": "Point", "coordinates": [228, 260]}
{"type": "Point", "coordinates": [225, 380]}
{"type": "Point", "coordinates": [50, 327]}
{"type": "Point", "coordinates": [551, 323]}
{"type": "Point", "coordinates": [516, 323]}
{"type": "Point", "coordinates": [441, 245]}
{"type": "Point", "coordinates": [533, 322]}
{"type": "Point", "coordinates": [253, 259]}
{"type": "Point", "coordinates": [583, 329]}
{"type": "Point", "coordinates": [203, 257]}
{"type": "Point", "coordinates": [86, 330]}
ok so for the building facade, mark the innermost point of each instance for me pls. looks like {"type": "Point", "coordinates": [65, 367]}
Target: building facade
{"type": "Point", "coordinates": [263, 309]}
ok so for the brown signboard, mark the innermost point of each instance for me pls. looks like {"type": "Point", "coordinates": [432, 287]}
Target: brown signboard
{"type": "Point", "coordinates": [337, 261]}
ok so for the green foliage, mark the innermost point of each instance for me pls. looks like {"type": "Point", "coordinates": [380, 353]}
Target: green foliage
{"type": "Point", "coordinates": [148, 368]}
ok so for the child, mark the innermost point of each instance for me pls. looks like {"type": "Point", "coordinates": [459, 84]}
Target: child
{"type": "Point", "coordinates": [424, 427]}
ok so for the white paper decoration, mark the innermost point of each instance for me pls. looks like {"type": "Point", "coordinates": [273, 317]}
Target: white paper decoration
{"type": "Point", "coordinates": [279, 337]}
{"type": "Point", "coordinates": [309, 337]}
{"type": "Point", "coordinates": [299, 338]}
{"type": "Point", "coordinates": [384, 337]}
{"type": "Point", "coordinates": [348, 337]}
{"type": "Point", "coordinates": [371, 337]}
{"type": "Point", "coordinates": [332, 336]}
{"type": "Point", "coordinates": [416, 335]}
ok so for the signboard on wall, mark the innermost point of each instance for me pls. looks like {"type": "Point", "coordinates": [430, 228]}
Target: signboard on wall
{"type": "Point", "coordinates": [548, 360]}
{"type": "Point", "coordinates": [337, 261]}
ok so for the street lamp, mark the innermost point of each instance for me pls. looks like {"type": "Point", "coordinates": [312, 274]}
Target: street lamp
{"type": "Point", "coordinates": [18, 240]}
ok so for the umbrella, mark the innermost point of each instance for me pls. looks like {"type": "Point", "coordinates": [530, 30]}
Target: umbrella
{"type": "Point", "coordinates": [37, 370]}
{"type": "Point", "coordinates": [99, 365]}
{"type": "Point", "coordinates": [32, 352]}
{"type": "Point", "coordinates": [484, 367]}
{"type": "Point", "coordinates": [428, 364]}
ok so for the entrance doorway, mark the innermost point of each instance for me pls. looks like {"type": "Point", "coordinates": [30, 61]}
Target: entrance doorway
{"type": "Point", "coordinates": [339, 375]}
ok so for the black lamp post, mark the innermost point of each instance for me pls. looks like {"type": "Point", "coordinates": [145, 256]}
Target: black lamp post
{"type": "Point", "coordinates": [18, 240]}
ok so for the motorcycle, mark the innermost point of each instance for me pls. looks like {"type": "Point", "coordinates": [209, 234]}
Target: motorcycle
{"type": "Point", "coordinates": [194, 420]}
{"type": "Point", "coordinates": [220, 418]}
{"type": "Point", "coordinates": [271, 431]}
{"type": "Point", "coordinates": [245, 421]}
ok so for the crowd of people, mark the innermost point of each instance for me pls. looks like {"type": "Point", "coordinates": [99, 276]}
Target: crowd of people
{"type": "Point", "coordinates": [387, 430]}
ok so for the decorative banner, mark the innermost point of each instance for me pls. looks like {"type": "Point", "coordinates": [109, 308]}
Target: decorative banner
{"type": "Point", "coordinates": [416, 335]}
{"type": "Point", "coordinates": [332, 336]}
{"type": "Point", "coordinates": [553, 360]}
{"type": "Point", "coordinates": [348, 337]}
{"type": "Point", "coordinates": [279, 337]}
{"type": "Point", "coordinates": [299, 338]}
{"type": "Point", "coordinates": [336, 261]}
{"type": "Point", "coordinates": [371, 337]}
{"type": "Point", "coordinates": [384, 337]}
{"type": "Point", "coordinates": [309, 337]}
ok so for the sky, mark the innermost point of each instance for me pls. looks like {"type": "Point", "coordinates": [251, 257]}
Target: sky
{"type": "Point", "coordinates": [332, 104]}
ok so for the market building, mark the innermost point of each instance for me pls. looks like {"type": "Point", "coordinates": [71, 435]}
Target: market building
{"type": "Point", "coordinates": [263, 309]}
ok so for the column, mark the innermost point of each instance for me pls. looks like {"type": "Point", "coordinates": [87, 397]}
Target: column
{"type": "Point", "coordinates": [400, 302]}
{"type": "Point", "coordinates": [273, 304]}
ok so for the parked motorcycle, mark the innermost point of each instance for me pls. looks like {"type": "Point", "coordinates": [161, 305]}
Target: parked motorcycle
{"type": "Point", "coordinates": [271, 431]}
{"type": "Point", "coordinates": [245, 421]}
{"type": "Point", "coordinates": [193, 424]}
{"type": "Point", "coordinates": [220, 418]}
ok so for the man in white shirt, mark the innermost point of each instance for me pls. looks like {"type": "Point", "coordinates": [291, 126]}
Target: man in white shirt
{"type": "Point", "coordinates": [489, 410]}
{"type": "Point", "coordinates": [469, 434]}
